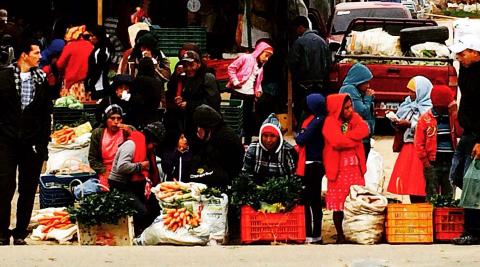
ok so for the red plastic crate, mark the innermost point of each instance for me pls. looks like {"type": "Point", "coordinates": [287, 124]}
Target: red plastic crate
{"type": "Point", "coordinates": [272, 227]}
{"type": "Point", "coordinates": [448, 223]}
{"type": "Point", "coordinates": [221, 67]}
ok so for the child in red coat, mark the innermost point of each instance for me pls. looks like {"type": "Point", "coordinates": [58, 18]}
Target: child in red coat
{"type": "Point", "coordinates": [436, 139]}
{"type": "Point", "coordinates": [343, 155]}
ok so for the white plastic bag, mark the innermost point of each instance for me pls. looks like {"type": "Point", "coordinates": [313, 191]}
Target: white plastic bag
{"type": "Point", "coordinates": [214, 215]}
{"type": "Point", "coordinates": [364, 215]}
{"type": "Point", "coordinates": [157, 234]}
{"type": "Point", "coordinates": [441, 50]}
{"type": "Point", "coordinates": [373, 42]}
{"type": "Point", "coordinates": [374, 175]}
{"type": "Point", "coordinates": [59, 155]}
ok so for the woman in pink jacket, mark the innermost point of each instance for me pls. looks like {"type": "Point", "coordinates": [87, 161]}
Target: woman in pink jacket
{"type": "Point", "coordinates": [246, 74]}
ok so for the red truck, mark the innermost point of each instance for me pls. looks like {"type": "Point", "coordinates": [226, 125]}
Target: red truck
{"type": "Point", "coordinates": [392, 73]}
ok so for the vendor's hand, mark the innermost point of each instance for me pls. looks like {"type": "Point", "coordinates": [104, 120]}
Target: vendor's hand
{"type": "Point", "coordinates": [145, 165]}
{"type": "Point", "coordinates": [402, 123]}
{"type": "Point", "coordinates": [258, 94]}
{"type": "Point", "coordinates": [183, 105]}
{"type": "Point", "coordinates": [178, 100]}
{"type": "Point", "coordinates": [370, 92]}
{"type": "Point", "coordinates": [125, 127]}
{"type": "Point", "coordinates": [476, 151]}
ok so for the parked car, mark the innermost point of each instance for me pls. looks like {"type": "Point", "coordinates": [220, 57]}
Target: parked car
{"type": "Point", "coordinates": [345, 12]}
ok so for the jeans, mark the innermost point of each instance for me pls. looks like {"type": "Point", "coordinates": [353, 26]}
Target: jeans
{"type": "Point", "coordinates": [312, 198]}
{"type": "Point", "coordinates": [461, 159]}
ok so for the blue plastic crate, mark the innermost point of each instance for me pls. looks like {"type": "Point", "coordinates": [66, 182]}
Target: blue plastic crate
{"type": "Point", "coordinates": [54, 190]}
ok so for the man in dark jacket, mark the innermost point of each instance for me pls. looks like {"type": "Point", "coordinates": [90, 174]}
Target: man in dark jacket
{"type": "Point", "coordinates": [468, 148]}
{"type": "Point", "coordinates": [309, 61]}
{"type": "Point", "coordinates": [200, 88]}
{"type": "Point", "coordinates": [217, 152]}
{"type": "Point", "coordinates": [24, 136]}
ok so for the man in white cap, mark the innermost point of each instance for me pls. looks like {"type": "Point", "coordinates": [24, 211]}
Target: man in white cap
{"type": "Point", "coordinates": [3, 16]}
{"type": "Point", "coordinates": [467, 50]}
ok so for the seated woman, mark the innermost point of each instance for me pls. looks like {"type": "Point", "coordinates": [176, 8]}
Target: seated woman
{"type": "Point", "coordinates": [106, 140]}
{"type": "Point", "coordinates": [271, 156]}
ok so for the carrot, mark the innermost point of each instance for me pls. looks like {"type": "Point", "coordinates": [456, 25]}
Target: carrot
{"type": "Point", "coordinates": [67, 226]}
{"type": "Point", "coordinates": [176, 214]}
{"type": "Point", "coordinates": [44, 221]}
{"type": "Point", "coordinates": [174, 228]}
{"type": "Point", "coordinates": [182, 210]}
{"type": "Point", "coordinates": [61, 213]}
{"type": "Point", "coordinates": [167, 221]}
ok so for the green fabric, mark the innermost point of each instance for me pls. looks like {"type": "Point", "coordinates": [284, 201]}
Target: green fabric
{"type": "Point", "coordinates": [471, 187]}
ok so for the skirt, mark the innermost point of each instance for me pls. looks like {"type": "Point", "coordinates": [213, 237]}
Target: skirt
{"type": "Point", "coordinates": [407, 175]}
{"type": "Point", "coordinates": [349, 174]}
{"type": "Point", "coordinates": [78, 91]}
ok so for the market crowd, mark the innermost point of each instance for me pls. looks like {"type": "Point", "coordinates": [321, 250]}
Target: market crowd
{"type": "Point", "coordinates": [146, 110]}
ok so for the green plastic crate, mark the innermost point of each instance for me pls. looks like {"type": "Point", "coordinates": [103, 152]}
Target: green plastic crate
{"type": "Point", "coordinates": [171, 39]}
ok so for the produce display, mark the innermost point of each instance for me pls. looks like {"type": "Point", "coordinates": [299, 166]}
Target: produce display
{"type": "Point", "coordinates": [176, 218]}
{"type": "Point", "coordinates": [67, 135]}
{"type": "Point", "coordinates": [59, 220]}
{"type": "Point", "coordinates": [171, 192]}
{"type": "Point", "coordinates": [68, 102]}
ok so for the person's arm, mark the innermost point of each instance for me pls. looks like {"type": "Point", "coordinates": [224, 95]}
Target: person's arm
{"type": "Point", "coordinates": [94, 153]}
{"type": "Point", "coordinates": [420, 142]}
{"type": "Point", "coordinates": [359, 129]}
{"type": "Point", "coordinates": [233, 69]}
{"type": "Point", "coordinates": [249, 160]}
{"type": "Point", "coordinates": [333, 135]}
{"type": "Point", "coordinates": [212, 95]}
{"type": "Point", "coordinates": [125, 157]}
{"type": "Point", "coordinates": [308, 133]}
{"type": "Point", "coordinates": [362, 106]}
{"type": "Point", "coordinates": [291, 159]}
{"type": "Point", "coordinates": [63, 59]}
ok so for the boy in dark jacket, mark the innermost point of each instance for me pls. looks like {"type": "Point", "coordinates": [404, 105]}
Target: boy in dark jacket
{"type": "Point", "coordinates": [310, 145]}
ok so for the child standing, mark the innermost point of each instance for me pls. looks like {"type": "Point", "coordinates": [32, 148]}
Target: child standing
{"type": "Point", "coordinates": [246, 75]}
{"type": "Point", "coordinates": [343, 155]}
{"type": "Point", "coordinates": [436, 139]}
{"type": "Point", "coordinates": [310, 165]}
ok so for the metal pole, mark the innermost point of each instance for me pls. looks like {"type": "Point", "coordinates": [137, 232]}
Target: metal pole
{"type": "Point", "coordinates": [100, 12]}
{"type": "Point", "coordinates": [249, 22]}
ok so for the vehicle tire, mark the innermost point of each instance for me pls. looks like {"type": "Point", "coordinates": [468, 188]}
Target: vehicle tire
{"type": "Point", "coordinates": [418, 35]}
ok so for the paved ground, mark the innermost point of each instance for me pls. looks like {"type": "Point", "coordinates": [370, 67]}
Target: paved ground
{"type": "Point", "coordinates": [304, 255]}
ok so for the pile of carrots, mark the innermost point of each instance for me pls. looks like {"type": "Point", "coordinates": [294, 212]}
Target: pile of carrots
{"type": "Point", "coordinates": [174, 191]}
{"type": "Point", "coordinates": [63, 136]}
{"type": "Point", "coordinates": [176, 218]}
{"type": "Point", "coordinates": [59, 220]}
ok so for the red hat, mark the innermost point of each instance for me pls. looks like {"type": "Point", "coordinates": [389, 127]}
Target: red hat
{"type": "Point", "coordinates": [441, 96]}
{"type": "Point", "coordinates": [270, 129]}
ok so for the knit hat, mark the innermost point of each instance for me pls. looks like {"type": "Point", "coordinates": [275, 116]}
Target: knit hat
{"type": "Point", "coordinates": [157, 130]}
{"type": "Point", "coordinates": [270, 129]}
{"type": "Point", "coordinates": [441, 96]}
{"type": "Point", "coordinates": [206, 117]}
{"type": "Point", "coordinates": [191, 56]}
{"type": "Point", "coordinates": [113, 109]}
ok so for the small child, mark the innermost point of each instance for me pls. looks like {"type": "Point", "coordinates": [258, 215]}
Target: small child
{"type": "Point", "coordinates": [436, 139]}
{"type": "Point", "coordinates": [310, 165]}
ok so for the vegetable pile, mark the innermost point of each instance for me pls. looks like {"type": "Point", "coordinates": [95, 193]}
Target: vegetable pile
{"type": "Point", "coordinates": [103, 208]}
{"type": "Point", "coordinates": [59, 220]}
{"type": "Point", "coordinates": [176, 218]}
{"type": "Point", "coordinates": [68, 102]}
{"type": "Point", "coordinates": [171, 192]}
{"type": "Point", "coordinates": [276, 194]}
{"type": "Point", "coordinates": [439, 201]}
{"type": "Point", "coordinates": [63, 136]}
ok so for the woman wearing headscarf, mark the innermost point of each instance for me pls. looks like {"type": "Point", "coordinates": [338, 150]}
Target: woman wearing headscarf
{"type": "Point", "coordinates": [407, 176]}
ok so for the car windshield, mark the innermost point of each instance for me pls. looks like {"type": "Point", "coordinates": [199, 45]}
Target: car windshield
{"type": "Point", "coordinates": [342, 18]}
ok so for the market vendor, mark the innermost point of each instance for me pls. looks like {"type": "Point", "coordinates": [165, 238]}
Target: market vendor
{"type": "Point", "coordinates": [271, 156]}
{"type": "Point", "coordinates": [106, 140]}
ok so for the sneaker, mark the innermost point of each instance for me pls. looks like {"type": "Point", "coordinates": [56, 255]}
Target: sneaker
{"type": "Point", "coordinates": [314, 240]}
{"type": "Point", "coordinates": [308, 240]}
{"type": "Point", "coordinates": [19, 242]}
{"type": "Point", "coordinates": [466, 240]}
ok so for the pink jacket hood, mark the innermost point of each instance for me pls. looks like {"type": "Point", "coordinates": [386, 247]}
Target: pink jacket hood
{"type": "Point", "coordinates": [240, 70]}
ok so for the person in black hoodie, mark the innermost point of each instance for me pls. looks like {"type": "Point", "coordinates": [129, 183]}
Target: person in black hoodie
{"type": "Point", "coordinates": [99, 63]}
{"type": "Point", "coordinates": [468, 148]}
{"type": "Point", "coordinates": [217, 151]}
{"type": "Point", "coordinates": [146, 97]}
{"type": "Point", "coordinates": [25, 124]}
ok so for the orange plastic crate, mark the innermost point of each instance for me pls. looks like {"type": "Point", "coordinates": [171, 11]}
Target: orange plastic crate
{"type": "Point", "coordinates": [409, 223]}
{"type": "Point", "coordinates": [448, 223]}
{"type": "Point", "coordinates": [272, 227]}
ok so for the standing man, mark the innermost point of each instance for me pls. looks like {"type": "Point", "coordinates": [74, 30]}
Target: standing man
{"type": "Point", "coordinates": [309, 61]}
{"type": "Point", "coordinates": [468, 148]}
{"type": "Point", "coordinates": [24, 135]}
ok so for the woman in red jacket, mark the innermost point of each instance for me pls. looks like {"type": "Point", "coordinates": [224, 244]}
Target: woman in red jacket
{"type": "Point", "coordinates": [343, 155]}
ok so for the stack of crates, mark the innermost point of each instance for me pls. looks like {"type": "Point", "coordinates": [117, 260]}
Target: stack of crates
{"type": "Point", "coordinates": [171, 39]}
{"type": "Point", "coordinates": [409, 223]}
{"type": "Point", "coordinates": [55, 190]}
{"type": "Point", "coordinates": [232, 112]}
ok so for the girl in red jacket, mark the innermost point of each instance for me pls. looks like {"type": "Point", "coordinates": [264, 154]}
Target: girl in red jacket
{"type": "Point", "coordinates": [343, 155]}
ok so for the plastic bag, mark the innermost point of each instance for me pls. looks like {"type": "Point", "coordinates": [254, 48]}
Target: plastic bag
{"type": "Point", "coordinates": [430, 49]}
{"type": "Point", "coordinates": [214, 215]}
{"type": "Point", "coordinates": [471, 187]}
{"type": "Point", "coordinates": [157, 234]}
{"type": "Point", "coordinates": [373, 42]}
{"type": "Point", "coordinates": [91, 186]}
{"type": "Point", "coordinates": [364, 216]}
{"type": "Point", "coordinates": [59, 155]}
{"type": "Point", "coordinates": [374, 175]}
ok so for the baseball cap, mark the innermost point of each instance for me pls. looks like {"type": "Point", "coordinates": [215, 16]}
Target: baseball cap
{"type": "Point", "coordinates": [3, 15]}
{"type": "Point", "coordinates": [468, 41]}
{"type": "Point", "coordinates": [191, 56]}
